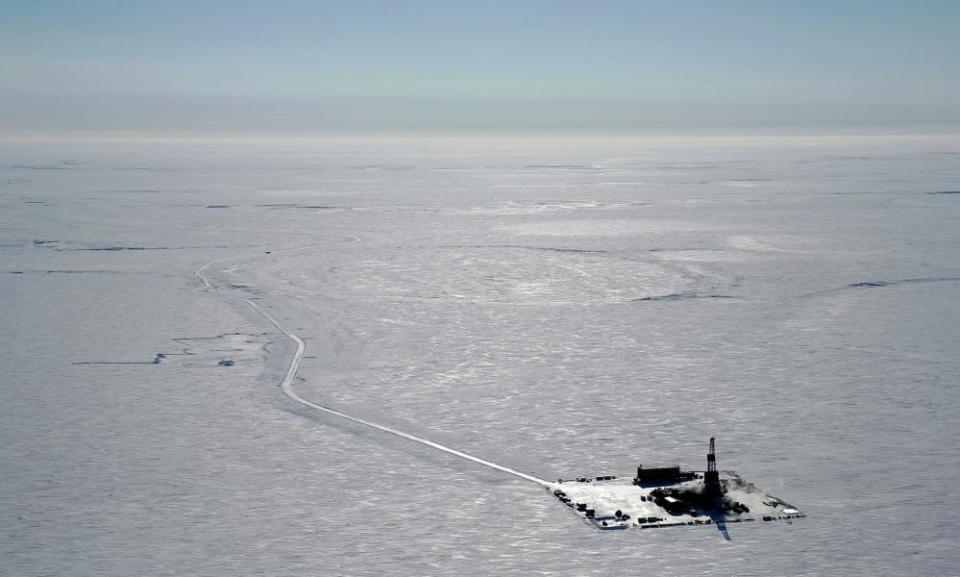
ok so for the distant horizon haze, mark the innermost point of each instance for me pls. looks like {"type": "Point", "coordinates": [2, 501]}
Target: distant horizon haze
{"type": "Point", "coordinates": [430, 65]}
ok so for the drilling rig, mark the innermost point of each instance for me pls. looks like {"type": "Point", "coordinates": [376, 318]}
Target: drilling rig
{"type": "Point", "coordinates": [711, 478]}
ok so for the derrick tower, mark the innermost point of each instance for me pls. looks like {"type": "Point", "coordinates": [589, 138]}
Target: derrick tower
{"type": "Point", "coordinates": [711, 479]}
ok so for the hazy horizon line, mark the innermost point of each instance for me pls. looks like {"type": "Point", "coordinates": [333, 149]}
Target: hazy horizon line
{"type": "Point", "coordinates": [760, 136]}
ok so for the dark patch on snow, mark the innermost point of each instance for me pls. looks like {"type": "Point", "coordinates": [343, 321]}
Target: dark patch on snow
{"type": "Point", "coordinates": [115, 248]}
{"type": "Point", "coordinates": [682, 296]}
{"type": "Point", "coordinates": [686, 249]}
{"type": "Point", "coordinates": [567, 250]}
{"type": "Point", "coordinates": [945, 192]}
{"type": "Point", "coordinates": [122, 248]}
{"type": "Point", "coordinates": [156, 361]}
{"type": "Point", "coordinates": [526, 247]}
{"type": "Point", "coordinates": [75, 271]}
{"type": "Point", "coordinates": [79, 272]}
{"type": "Point", "coordinates": [560, 166]}
{"type": "Point", "coordinates": [298, 206]}
{"type": "Point", "coordinates": [114, 363]}
{"type": "Point", "coordinates": [884, 283]}
{"type": "Point", "coordinates": [56, 245]}
{"type": "Point", "coordinates": [219, 206]}
{"type": "Point", "coordinates": [225, 363]}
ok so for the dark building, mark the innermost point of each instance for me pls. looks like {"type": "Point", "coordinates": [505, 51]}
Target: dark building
{"type": "Point", "coordinates": [658, 474]}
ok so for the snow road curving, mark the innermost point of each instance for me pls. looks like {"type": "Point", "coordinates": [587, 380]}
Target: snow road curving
{"type": "Point", "coordinates": [286, 385]}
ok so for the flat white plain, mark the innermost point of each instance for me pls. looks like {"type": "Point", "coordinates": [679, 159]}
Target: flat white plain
{"type": "Point", "coordinates": [557, 307]}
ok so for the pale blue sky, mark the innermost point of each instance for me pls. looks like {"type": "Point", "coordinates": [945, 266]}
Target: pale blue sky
{"type": "Point", "coordinates": [601, 65]}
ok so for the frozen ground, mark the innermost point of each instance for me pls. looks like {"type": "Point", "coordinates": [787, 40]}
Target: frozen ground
{"type": "Point", "coordinates": [556, 307]}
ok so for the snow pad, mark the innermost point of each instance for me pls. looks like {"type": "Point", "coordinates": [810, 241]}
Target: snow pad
{"type": "Point", "coordinates": [611, 502]}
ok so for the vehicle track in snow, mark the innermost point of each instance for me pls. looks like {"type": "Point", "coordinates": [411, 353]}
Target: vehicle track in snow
{"type": "Point", "coordinates": [286, 385]}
